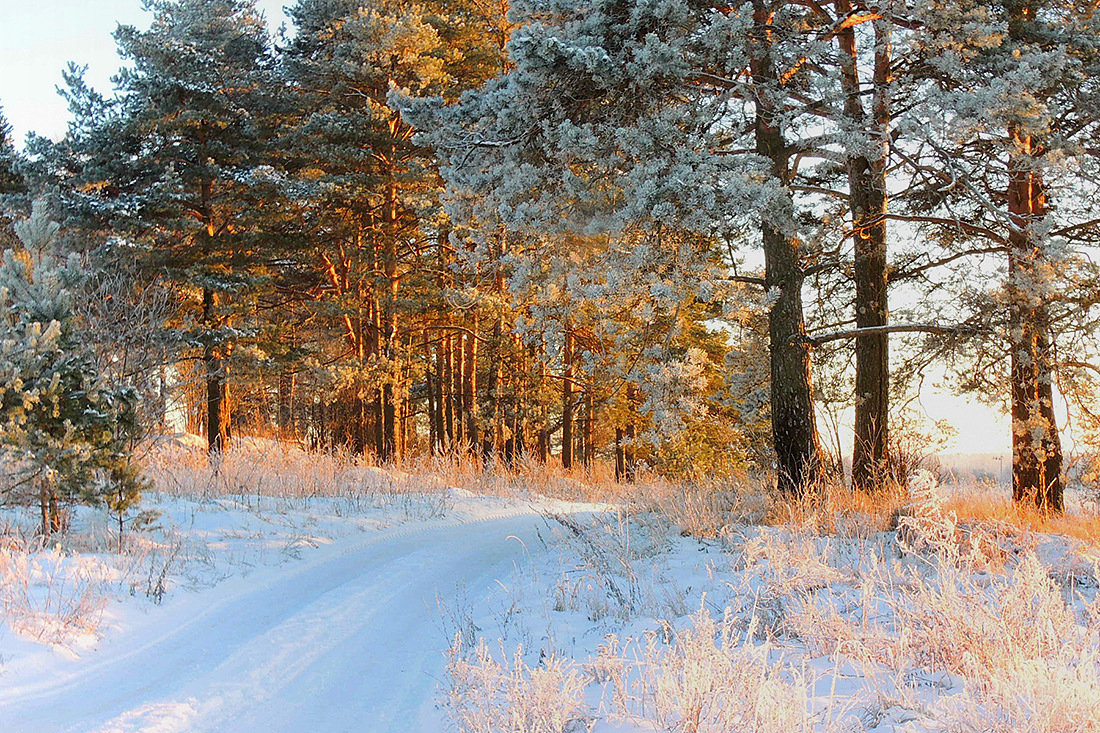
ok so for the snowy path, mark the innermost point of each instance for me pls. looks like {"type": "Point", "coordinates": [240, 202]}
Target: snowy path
{"type": "Point", "coordinates": [349, 639]}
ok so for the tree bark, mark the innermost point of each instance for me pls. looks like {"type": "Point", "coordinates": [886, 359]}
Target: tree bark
{"type": "Point", "coordinates": [794, 429]}
{"type": "Point", "coordinates": [867, 197]}
{"type": "Point", "coordinates": [434, 359]}
{"type": "Point", "coordinates": [589, 426]}
{"type": "Point", "coordinates": [447, 380]}
{"type": "Point", "coordinates": [1036, 444]}
{"type": "Point", "coordinates": [286, 404]}
{"type": "Point", "coordinates": [469, 391]}
{"type": "Point", "coordinates": [494, 434]}
{"type": "Point", "coordinates": [459, 361]}
{"type": "Point", "coordinates": [567, 400]}
{"type": "Point", "coordinates": [217, 433]}
{"type": "Point", "coordinates": [620, 457]}
{"type": "Point", "coordinates": [50, 511]}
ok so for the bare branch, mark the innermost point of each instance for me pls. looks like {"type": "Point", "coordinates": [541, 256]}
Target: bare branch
{"type": "Point", "coordinates": [748, 279]}
{"type": "Point", "coordinates": [824, 338]}
{"type": "Point", "coordinates": [1080, 365]}
{"type": "Point", "coordinates": [950, 223]}
{"type": "Point", "coordinates": [932, 264]}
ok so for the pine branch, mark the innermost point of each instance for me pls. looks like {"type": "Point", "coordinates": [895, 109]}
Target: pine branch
{"type": "Point", "coordinates": [932, 264]}
{"type": "Point", "coordinates": [946, 222]}
{"type": "Point", "coordinates": [747, 279]}
{"type": "Point", "coordinates": [824, 338]}
{"type": "Point", "coordinates": [1080, 365]}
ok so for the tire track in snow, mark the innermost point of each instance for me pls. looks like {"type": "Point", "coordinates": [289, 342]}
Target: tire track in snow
{"type": "Point", "coordinates": [346, 640]}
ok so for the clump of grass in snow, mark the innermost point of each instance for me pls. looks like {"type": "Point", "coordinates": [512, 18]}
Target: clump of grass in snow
{"type": "Point", "coordinates": [49, 594]}
{"type": "Point", "coordinates": [485, 695]}
{"type": "Point", "coordinates": [711, 678]}
{"type": "Point", "coordinates": [707, 678]}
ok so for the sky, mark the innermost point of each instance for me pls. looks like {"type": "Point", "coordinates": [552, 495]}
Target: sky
{"type": "Point", "coordinates": [39, 37]}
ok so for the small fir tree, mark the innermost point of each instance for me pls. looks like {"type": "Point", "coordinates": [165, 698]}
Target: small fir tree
{"type": "Point", "coordinates": [62, 427]}
{"type": "Point", "coordinates": [12, 183]}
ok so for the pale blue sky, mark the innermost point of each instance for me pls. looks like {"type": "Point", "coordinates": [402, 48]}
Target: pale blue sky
{"type": "Point", "coordinates": [39, 37]}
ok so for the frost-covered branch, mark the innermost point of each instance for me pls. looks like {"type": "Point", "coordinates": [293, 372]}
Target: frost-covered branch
{"type": "Point", "coordinates": [894, 328]}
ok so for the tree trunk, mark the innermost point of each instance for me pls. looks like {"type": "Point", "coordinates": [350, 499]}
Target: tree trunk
{"type": "Point", "coordinates": [794, 429]}
{"type": "Point", "coordinates": [447, 381]}
{"type": "Point", "coordinates": [567, 400]}
{"type": "Point", "coordinates": [46, 503]}
{"type": "Point", "coordinates": [493, 440]}
{"type": "Point", "coordinates": [286, 404]}
{"type": "Point", "coordinates": [162, 399]}
{"type": "Point", "coordinates": [1036, 445]}
{"type": "Point", "coordinates": [217, 434]}
{"type": "Point", "coordinates": [388, 339]}
{"type": "Point", "coordinates": [388, 406]}
{"type": "Point", "coordinates": [630, 462]}
{"type": "Point", "coordinates": [867, 199]}
{"type": "Point", "coordinates": [434, 360]}
{"type": "Point", "coordinates": [469, 391]}
{"type": "Point", "coordinates": [589, 426]}
{"type": "Point", "coordinates": [620, 462]}
{"type": "Point", "coordinates": [459, 360]}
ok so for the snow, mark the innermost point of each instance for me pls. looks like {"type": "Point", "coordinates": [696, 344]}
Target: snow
{"type": "Point", "coordinates": [343, 636]}
{"type": "Point", "coordinates": [400, 611]}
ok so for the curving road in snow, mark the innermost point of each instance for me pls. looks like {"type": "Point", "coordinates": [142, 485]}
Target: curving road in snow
{"type": "Point", "coordinates": [348, 639]}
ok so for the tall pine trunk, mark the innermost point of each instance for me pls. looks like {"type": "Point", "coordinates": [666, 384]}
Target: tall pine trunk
{"type": "Point", "coordinates": [469, 389]}
{"type": "Point", "coordinates": [567, 400]}
{"type": "Point", "coordinates": [589, 434]}
{"type": "Point", "coordinates": [388, 394]}
{"type": "Point", "coordinates": [286, 405]}
{"type": "Point", "coordinates": [867, 200]}
{"type": "Point", "coordinates": [447, 382]}
{"type": "Point", "coordinates": [1036, 445]}
{"type": "Point", "coordinates": [433, 357]}
{"type": "Point", "coordinates": [794, 429]}
{"type": "Point", "coordinates": [217, 424]}
{"type": "Point", "coordinates": [458, 358]}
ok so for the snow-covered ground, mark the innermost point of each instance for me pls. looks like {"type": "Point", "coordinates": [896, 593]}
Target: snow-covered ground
{"type": "Point", "coordinates": [342, 598]}
{"type": "Point", "coordinates": [320, 616]}
{"type": "Point", "coordinates": [944, 626]}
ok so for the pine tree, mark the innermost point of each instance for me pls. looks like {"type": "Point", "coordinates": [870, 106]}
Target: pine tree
{"type": "Point", "coordinates": [868, 156]}
{"type": "Point", "coordinates": [620, 115]}
{"type": "Point", "coordinates": [176, 160]}
{"type": "Point", "coordinates": [1008, 117]}
{"type": "Point", "coordinates": [12, 182]}
{"type": "Point", "coordinates": [62, 426]}
{"type": "Point", "coordinates": [381, 249]}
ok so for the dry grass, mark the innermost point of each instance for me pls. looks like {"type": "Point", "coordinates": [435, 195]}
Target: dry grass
{"type": "Point", "coordinates": [709, 678]}
{"type": "Point", "coordinates": [703, 679]}
{"type": "Point", "coordinates": [832, 508]}
{"type": "Point", "coordinates": [989, 507]}
{"type": "Point", "coordinates": [179, 466]}
{"type": "Point", "coordinates": [701, 508]}
{"type": "Point", "coordinates": [49, 594]}
{"type": "Point", "coordinates": [489, 696]}
{"type": "Point", "coordinates": [954, 623]}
